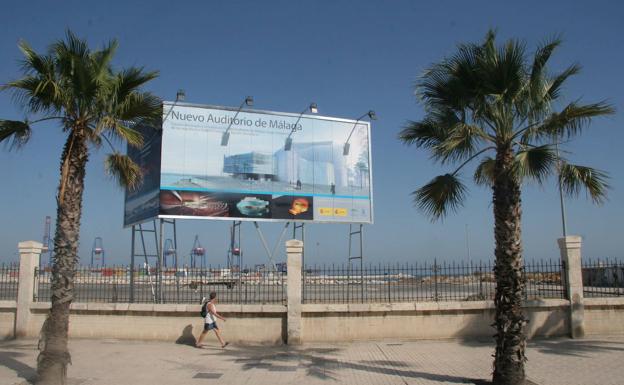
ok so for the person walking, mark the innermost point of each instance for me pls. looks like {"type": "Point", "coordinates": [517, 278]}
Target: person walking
{"type": "Point", "coordinates": [210, 320]}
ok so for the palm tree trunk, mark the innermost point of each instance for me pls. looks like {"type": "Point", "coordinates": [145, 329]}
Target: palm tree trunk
{"type": "Point", "coordinates": [54, 356]}
{"type": "Point", "coordinates": [509, 320]}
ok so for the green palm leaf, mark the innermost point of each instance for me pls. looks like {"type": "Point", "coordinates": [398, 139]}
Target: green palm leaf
{"type": "Point", "coordinates": [121, 168]}
{"type": "Point", "coordinates": [569, 122]}
{"type": "Point", "coordinates": [535, 163]}
{"type": "Point", "coordinates": [443, 193]}
{"type": "Point", "coordinates": [556, 83]}
{"type": "Point", "coordinates": [422, 134]}
{"type": "Point", "coordinates": [15, 133]}
{"type": "Point", "coordinates": [484, 173]}
{"type": "Point", "coordinates": [574, 178]}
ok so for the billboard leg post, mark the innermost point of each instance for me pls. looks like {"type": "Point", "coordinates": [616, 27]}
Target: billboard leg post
{"type": "Point", "coordinates": [270, 253]}
{"type": "Point", "coordinates": [175, 259]}
{"type": "Point", "coordinates": [132, 266]}
{"type": "Point", "coordinates": [359, 233]}
{"type": "Point", "coordinates": [160, 261]}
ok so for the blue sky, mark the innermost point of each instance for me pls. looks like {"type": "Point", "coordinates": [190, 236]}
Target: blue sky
{"type": "Point", "coordinates": [348, 57]}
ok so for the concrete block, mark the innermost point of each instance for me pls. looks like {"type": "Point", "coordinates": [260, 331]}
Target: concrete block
{"type": "Point", "coordinates": [29, 252]}
{"type": "Point", "coordinates": [570, 249]}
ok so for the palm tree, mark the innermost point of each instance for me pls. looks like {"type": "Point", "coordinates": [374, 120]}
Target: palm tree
{"type": "Point", "coordinates": [93, 104]}
{"type": "Point", "coordinates": [489, 98]}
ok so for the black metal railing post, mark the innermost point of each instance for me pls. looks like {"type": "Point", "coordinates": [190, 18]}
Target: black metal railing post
{"type": "Point", "coordinates": [435, 280]}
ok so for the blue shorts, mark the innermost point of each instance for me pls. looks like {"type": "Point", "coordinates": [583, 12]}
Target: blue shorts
{"type": "Point", "coordinates": [210, 326]}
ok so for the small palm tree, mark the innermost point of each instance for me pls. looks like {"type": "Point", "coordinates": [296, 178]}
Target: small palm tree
{"type": "Point", "coordinates": [93, 104]}
{"type": "Point", "coordinates": [489, 98]}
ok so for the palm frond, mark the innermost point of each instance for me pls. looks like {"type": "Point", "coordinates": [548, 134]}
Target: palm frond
{"type": "Point", "coordinates": [556, 83]}
{"type": "Point", "coordinates": [14, 133]}
{"type": "Point", "coordinates": [484, 173]}
{"type": "Point", "coordinates": [33, 63]}
{"type": "Point", "coordinates": [542, 55]}
{"type": "Point", "coordinates": [443, 193]}
{"type": "Point", "coordinates": [130, 80]}
{"type": "Point", "coordinates": [119, 131]}
{"type": "Point", "coordinates": [102, 60]}
{"type": "Point", "coordinates": [570, 121]}
{"type": "Point", "coordinates": [139, 108]}
{"type": "Point", "coordinates": [121, 168]}
{"type": "Point", "coordinates": [461, 143]}
{"type": "Point", "coordinates": [425, 133]}
{"type": "Point", "coordinates": [535, 163]}
{"type": "Point", "coordinates": [574, 178]}
{"type": "Point", "coordinates": [537, 100]}
{"type": "Point", "coordinates": [36, 94]}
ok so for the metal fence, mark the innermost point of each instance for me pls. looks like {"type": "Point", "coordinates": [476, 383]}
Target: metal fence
{"type": "Point", "coordinates": [117, 284]}
{"type": "Point", "coordinates": [321, 284]}
{"type": "Point", "coordinates": [603, 277]}
{"type": "Point", "coordinates": [423, 282]}
{"type": "Point", "coordinates": [9, 277]}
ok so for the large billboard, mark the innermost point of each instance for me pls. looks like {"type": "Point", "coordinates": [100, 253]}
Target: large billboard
{"type": "Point", "coordinates": [221, 163]}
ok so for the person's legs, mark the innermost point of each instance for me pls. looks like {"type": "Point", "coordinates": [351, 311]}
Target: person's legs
{"type": "Point", "coordinates": [201, 337]}
{"type": "Point", "coordinates": [219, 337]}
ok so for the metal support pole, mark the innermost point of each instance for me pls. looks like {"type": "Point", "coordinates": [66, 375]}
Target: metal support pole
{"type": "Point", "coordinates": [132, 267]}
{"type": "Point", "coordinates": [362, 261]}
{"type": "Point", "coordinates": [359, 233]}
{"type": "Point", "coordinates": [270, 253]}
{"type": "Point", "coordinates": [160, 261]}
{"type": "Point", "coordinates": [561, 200]}
{"type": "Point", "coordinates": [175, 247]}
{"type": "Point", "coordinates": [435, 279]}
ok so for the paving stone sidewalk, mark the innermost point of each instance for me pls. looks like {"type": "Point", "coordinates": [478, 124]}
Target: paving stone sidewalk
{"type": "Point", "coordinates": [562, 361]}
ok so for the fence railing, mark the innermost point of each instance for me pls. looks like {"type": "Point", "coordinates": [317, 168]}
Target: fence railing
{"type": "Point", "coordinates": [603, 277]}
{"type": "Point", "coordinates": [9, 279]}
{"type": "Point", "coordinates": [321, 284]}
{"type": "Point", "coordinates": [423, 282]}
{"type": "Point", "coordinates": [114, 284]}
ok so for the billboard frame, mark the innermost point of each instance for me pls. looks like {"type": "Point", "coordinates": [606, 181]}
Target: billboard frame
{"type": "Point", "coordinates": [169, 106]}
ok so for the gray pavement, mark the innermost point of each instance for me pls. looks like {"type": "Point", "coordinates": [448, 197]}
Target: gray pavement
{"type": "Point", "coordinates": [587, 361]}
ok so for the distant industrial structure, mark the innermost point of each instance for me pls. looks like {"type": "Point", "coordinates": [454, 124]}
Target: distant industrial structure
{"type": "Point", "coordinates": [198, 254]}
{"type": "Point", "coordinates": [170, 258]}
{"type": "Point", "coordinates": [98, 255]}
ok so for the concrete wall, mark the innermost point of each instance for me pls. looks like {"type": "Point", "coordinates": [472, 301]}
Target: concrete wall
{"type": "Point", "coordinates": [7, 319]}
{"type": "Point", "coordinates": [253, 324]}
{"type": "Point", "coordinates": [266, 324]}
{"type": "Point", "coordinates": [470, 320]}
{"type": "Point", "coordinates": [604, 316]}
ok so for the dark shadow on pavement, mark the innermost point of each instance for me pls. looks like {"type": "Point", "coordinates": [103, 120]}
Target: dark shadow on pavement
{"type": "Point", "coordinates": [578, 347]}
{"type": "Point", "coordinates": [322, 363]}
{"type": "Point", "coordinates": [386, 363]}
{"type": "Point", "coordinates": [187, 337]}
{"type": "Point", "coordinates": [8, 360]}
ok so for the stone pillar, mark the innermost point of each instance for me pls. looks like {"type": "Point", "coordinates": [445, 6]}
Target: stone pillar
{"type": "Point", "coordinates": [29, 251]}
{"type": "Point", "coordinates": [570, 248]}
{"type": "Point", "coordinates": [294, 251]}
